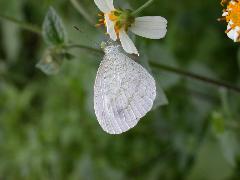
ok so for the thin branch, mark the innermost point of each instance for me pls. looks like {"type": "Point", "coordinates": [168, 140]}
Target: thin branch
{"type": "Point", "coordinates": [80, 46]}
{"type": "Point", "coordinates": [82, 11]}
{"type": "Point", "coordinates": [21, 24]}
{"type": "Point", "coordinates": [141, 8]}
{"type": "Point", "coordinates": [170, 69]}
{"type": "Point", "coordinates": [176, 71]}
{"type": "Point", "coordinates": [195, 76]}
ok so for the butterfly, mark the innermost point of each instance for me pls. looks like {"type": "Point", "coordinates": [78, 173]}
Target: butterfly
{"type": "Point", "coordinates": [123, 92]}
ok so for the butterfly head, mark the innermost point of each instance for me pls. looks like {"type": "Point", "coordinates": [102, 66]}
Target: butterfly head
{"type": "Point", "coordinates": [110, 46]}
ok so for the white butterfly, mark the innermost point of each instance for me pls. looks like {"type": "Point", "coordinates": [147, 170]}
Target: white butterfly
{"type": "Point", "coordinates": [123, 92]}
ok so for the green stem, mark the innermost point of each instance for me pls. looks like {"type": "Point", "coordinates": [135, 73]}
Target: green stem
{"type": "Point", "coordinates": [78, 6]}
{"type": "Point", "coordinates": [195, 76]}
{"type": "Point", "coordinates": [170, 69]}
{"type": "Point", "coordinates": [21, 24]}
{"type": "Point", "coordinates": [80, 46]}
{"type": "Point", "coordinates": [141, 8]}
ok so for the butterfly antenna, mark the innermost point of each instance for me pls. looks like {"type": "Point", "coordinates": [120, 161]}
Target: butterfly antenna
{"type": "Point", "coordinates": [80, 30]}
{"type": "Point", "coordinates": [77, 28]}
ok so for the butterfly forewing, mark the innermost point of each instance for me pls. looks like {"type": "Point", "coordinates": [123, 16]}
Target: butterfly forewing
{"type": "Point", "coordinates": [123, 93]}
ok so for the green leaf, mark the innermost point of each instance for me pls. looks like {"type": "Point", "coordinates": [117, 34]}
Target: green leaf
{"type": "Point", "coordinates": [68, 56]}
{"type": "Point", "coordinates": [229, 146]}
{"type": "Point", "coordinates": [51, 61]}
{"type": "Point", "coordinates": [218, 123]}
{"type": "Point", "coordinates": [160, 54]}
{"type": "Point", "coordinates": [53, 30]}
{"type": "Point", "coordinates": [210, 163]}
{"type": "Point", "coordinates": [161, 98]}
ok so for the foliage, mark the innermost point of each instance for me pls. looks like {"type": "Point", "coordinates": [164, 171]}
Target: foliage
{"type": "Point", "coordinates": [48, 129]}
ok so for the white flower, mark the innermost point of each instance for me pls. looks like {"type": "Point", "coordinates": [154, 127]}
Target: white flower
{"type": "Point", "coordinates": [233, 33]}
{"type": "Point", "coordinates": [232, 16]}
{"type": "Point", "coordinates": [118, 22]}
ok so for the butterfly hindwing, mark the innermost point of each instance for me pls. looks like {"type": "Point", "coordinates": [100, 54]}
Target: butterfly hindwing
{"type": "Point", "coordinates": [123, 93]}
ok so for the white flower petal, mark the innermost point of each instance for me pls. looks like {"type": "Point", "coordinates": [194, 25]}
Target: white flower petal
{"type": "Point", "coordinates": [152, 27]}
{"type": "Point", "coordinates": [127, 43]}
{"type": "Point", "coordinates": [233, 2]}
{"type": "Point", "coordinates": [234, 33]}
{"type": "Point", "coordinates": [110, 28]}
{"type": "Point", "coordinates": [225, 13]}
{"type": "Point", "coordinates": [105, 5]}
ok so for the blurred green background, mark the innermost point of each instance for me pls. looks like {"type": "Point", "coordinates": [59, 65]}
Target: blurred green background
{"type": "Point", "coordinates": [48, 129]}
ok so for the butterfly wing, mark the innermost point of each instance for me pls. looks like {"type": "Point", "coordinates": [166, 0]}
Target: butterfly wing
{"type": "Point", "coordinates": [123, 93]}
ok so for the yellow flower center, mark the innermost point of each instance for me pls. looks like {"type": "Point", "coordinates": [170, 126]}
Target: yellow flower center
{"type": "Point", "coordinates": [122, 19]}
{"type": "Point", "coordinates": [113, 16]}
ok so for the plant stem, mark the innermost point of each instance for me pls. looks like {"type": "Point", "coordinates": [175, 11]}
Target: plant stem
{"type": "Point", "coordinates": [170, 69]}
{"type": "Point", "coordinates": [174, 70]}
{"type": "Point", "coordinates": [141, 8]}
{"type": "Point", "coordinates": [82, 11]}
{"type": "Point", "coordinates": [80, 46]}
{"type": "Point", "coordinates": [22, 24]}
{"type": "Point", "coordinates": [195, 76]}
